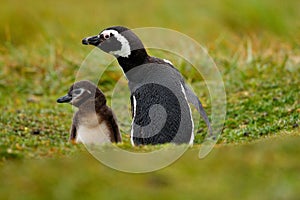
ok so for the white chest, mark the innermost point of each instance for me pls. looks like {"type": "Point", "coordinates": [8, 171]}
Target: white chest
{"type": "Point", "coordinates": [93, 135]}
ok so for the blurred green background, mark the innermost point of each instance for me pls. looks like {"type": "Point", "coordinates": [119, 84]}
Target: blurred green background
{"type": "Point", "coordinates": [256, 46]}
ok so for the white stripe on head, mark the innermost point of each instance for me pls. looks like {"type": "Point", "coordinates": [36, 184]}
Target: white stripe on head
{"type": "Point", "coordinates": [167, 61]}
{"type": "Point", "coordinates": [125, 47]}
{"type": "Point", "coordinates": [77, 92]}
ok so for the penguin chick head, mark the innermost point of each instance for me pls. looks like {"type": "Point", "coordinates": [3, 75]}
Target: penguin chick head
{"type": "Point", "coordinates": [117, 40]}
{"type": "Point", "coordinates": [82, 91]}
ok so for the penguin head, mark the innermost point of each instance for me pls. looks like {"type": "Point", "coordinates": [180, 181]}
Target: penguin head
{"type": "Point", "coordinates": [117, 40]}
{"type": "Point", "coordinates": [82, 91]}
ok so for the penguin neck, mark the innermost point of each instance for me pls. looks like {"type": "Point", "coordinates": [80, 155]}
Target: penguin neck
{"type": "Point", "coordinates": [136, 58]}
{"type": "Point", "coordinates": [88, 105]}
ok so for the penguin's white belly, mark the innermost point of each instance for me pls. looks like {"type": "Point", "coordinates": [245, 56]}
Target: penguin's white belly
{"type": "Point", "coordinates": [95, 135]}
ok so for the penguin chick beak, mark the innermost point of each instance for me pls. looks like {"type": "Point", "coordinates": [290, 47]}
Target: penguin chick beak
{"type": "Point", "coordinates": [65, 99]}
{"type": "Point", "coordinates": [93, 40]}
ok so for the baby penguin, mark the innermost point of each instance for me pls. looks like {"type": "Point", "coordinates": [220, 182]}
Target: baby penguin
{"type": "Point", "coordinates": [94, 122]}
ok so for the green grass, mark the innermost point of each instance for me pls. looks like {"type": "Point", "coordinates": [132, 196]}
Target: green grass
{"type": "Point", "coordinates": [256, 47]}
{"type": "Point", "coordinates": [265, 170]}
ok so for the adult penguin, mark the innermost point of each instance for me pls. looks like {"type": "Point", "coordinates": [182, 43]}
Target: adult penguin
{"type": "Point", "coordinates": [159, 95]}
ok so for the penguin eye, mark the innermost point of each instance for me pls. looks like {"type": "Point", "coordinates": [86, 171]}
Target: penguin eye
{"type": "Point", "coordinates": [77, 92]}
{"type": "Point", "coordinates": [106, 36]}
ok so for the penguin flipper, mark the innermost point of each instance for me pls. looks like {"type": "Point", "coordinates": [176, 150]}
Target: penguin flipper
{"type": "Point", "coordinates": [193, 99]}
{"type": "Point", "coordinates": [115, 128]}
{"type": "Point", "coordinates": [132, 106]}
{"type": "Point", "coordinates": [73, 133]}
{"type": "Point", "coordinates": [73, 130]}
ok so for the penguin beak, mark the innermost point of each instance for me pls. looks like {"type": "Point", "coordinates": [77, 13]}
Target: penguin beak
{"type": "Point", "coordinates": [93, 40]}
{"type": "Point", "coordinates": [65, 99]}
